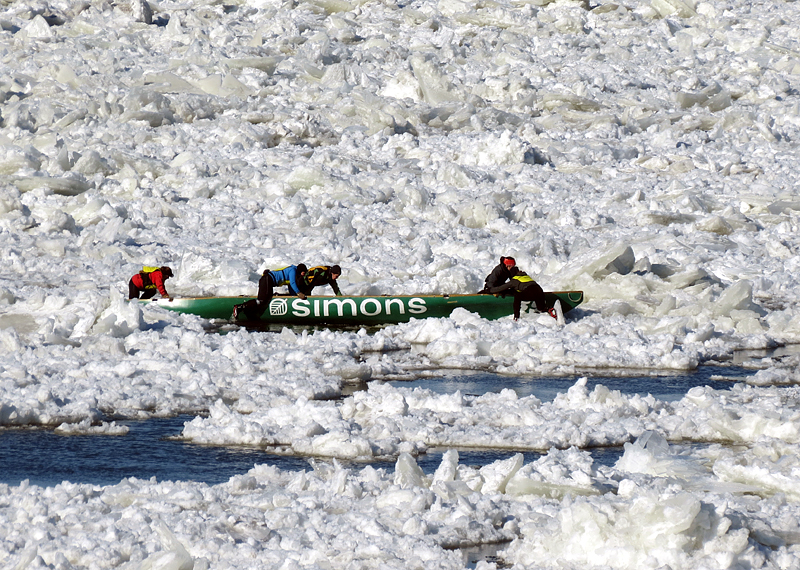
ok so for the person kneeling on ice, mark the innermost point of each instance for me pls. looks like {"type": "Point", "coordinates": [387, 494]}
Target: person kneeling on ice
{"type": "Point", "coordinates": [524, 289]}
{"type": "Point", "coordinates": [500, 274]}
{"type": "Point", "coordinates": [291, 276]}
{"type": "Point", "coordinates": [321, 275]}
{"type": "Point", "coordinates": [148, 281]}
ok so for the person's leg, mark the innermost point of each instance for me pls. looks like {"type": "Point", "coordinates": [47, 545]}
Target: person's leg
{"type": "Point", "coordinates": [533, 293]}
{"type": "Point", "coordinates": [149, 293]}
{"type": "Point", "coordinates": [266, 287]}
{"type": "Point", "coordinates": [537, 296]}
{"type": "Point", "coordinates": [250, 309]}
{"type": "Point", "coordinates": [254, 308]}
{"type": "Point", "coordinates": [133, 290]}
{"type": "Point", "coordinates": [517, 304]}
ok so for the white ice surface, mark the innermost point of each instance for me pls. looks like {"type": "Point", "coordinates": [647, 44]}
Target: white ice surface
{"type": "Point", "coordinates": [643, 152]}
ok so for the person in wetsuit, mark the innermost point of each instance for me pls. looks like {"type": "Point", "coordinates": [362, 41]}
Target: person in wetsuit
{"type": "Point", "coordinates": [500, 274]}
{"type": "Point", "coordinates": [291, 276]}
{"type": "Point", "coordinates": [321, 275]}
{"type": "Point", "coordinates": [524, 288]}
{"type": "Point", "coordinates": [149, 281]}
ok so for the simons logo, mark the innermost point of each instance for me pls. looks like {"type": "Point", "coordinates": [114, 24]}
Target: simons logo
{"type": "Point", "coordinates": [355, 307]}
{"type": "Point", "coordinates": [278, 307]}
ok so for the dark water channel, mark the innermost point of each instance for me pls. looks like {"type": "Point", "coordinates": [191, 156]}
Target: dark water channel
{"type": "Point", "coordinates": [44, 458]}
{"type": "Point", "coordinates": [665, 387]}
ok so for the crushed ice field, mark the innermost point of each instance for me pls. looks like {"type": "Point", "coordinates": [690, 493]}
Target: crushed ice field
{"type": "Point", "coordinates": [644, 152]}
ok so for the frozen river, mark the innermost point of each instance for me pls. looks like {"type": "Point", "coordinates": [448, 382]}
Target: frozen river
{"type": "Point", "coordinates": [644, 152]}
{"type": "Point", "coordinates": [153, 448]}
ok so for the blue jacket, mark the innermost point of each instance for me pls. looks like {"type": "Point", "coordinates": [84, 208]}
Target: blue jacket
{"type": "Point", "coordinates": [286, 276]}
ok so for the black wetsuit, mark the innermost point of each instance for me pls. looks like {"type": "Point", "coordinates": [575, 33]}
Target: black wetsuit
{"type": "Point", "coordinates": [498, 276]}
{"type": "Point", "coordinates": [524, 289]}
{"type": "Point", "coordinates": [290, 276]}
{"type": "Point", "coordinates": [318, 276]}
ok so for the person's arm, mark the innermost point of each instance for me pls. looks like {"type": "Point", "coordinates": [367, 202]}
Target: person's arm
{"type": "Point", "coordinates": [305, 286]}
{"type": "Point", "coordinates": [335, 287]}
{"type": "Point", "coordinates": [501, 288]}
{"type": "Point", "coordinates": [293, 283]}
{"type": "Point", "coordinates": [158, 280]}
{"type": "Point", "coordinates": [293, 279]}
{"type": "Point", "coordinates": [497, 277]}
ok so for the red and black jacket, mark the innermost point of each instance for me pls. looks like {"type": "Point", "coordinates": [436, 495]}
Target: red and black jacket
{"type": "Point", "coordinates": [151, 280]}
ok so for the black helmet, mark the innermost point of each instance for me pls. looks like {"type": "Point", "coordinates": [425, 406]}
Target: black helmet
{"type": "Point", "coordinates": [336, 269]}
{"type": "Point", "coordinates": [301, 268]}
{"type": "Point", "coordinates": [166, 272]}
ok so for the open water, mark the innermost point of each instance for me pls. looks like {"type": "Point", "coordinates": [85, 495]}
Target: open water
{"type": "Point", "coordinates": [150, 448]}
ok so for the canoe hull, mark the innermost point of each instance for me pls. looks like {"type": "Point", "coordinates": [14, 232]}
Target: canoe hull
{"type": "Point", "coordinates": [363, 310]}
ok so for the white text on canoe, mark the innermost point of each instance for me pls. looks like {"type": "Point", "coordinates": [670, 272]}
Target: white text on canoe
{"type": "Point", "coordinates": [368, 307]}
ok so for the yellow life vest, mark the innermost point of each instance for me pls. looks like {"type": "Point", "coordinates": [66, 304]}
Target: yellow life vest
{"type": "Point", "coordinates": [312, 274]}
{"type": "Point", "coordinates": [145, 273]}
{"type": "Point", "coordinates": [522, 278]}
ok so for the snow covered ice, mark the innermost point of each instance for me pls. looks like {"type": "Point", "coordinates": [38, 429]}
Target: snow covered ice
{"type": "Point", "coordinates": [644, 152]}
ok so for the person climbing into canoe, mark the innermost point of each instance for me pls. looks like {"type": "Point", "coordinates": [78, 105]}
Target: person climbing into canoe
{"type": "Point", "coordinates": [291, 276]}
{"type": "Point", "coordinates": [148, 281]}
{"type": "Point", "coordinates": [500, 274]}
{"type": "Point", "coordinates": [524, 289]}
{"type": "Point", "coordinates": [322, 275]}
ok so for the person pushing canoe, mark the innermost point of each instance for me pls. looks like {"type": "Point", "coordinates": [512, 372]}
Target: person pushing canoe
{"type": "Point", "coordinates": [291, 276]}
{"type": "Point", "coordinates": [319, 276]}
{"type": "Point", "coordinates": [148, 282]}
{"type": "Point", "coordinates": [500, 274]}
{"type": "Point", "coordinates": [507, 277]}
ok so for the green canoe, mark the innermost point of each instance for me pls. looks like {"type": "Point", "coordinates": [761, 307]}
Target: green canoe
{"type": "Point", "coordinates": [364, 310]}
